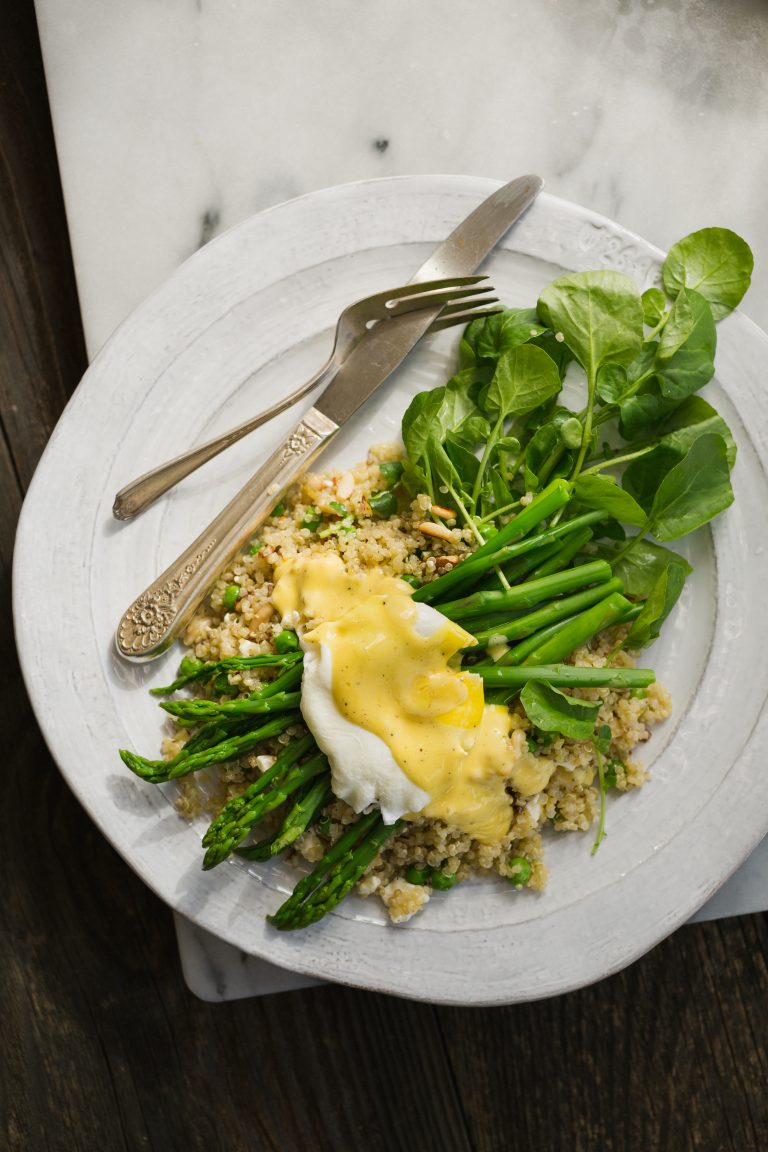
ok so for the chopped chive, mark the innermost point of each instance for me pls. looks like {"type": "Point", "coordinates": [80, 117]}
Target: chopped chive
{"type": "Point", "coordinates": [256, 547]}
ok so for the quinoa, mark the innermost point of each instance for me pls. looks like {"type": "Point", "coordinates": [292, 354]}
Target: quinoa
{"type": "Point", "coordinates": [331, 513]}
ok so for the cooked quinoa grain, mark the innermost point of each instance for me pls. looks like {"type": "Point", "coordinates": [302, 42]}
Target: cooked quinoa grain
{"type": "Point", "coordinates": [331, 512]}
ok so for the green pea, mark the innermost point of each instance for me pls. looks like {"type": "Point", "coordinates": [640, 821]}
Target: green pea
{"type": "Point", "coordinates": [341, 509]}
{"type": "Point", "coordinates": [520, 869]}
{"type": "Point", "coordinates": [442, 882]}
{"type": "Point", "coordinates": [231, 593]}
{"type": "Point", "coordinates": [417, 875]}
{"type": "Point", "coordinates": [255, 548]}
{"type": "Point", "coordinates": [286, 641]}
{"type": "Point", "coordinates": [638, 693]}
{"type": "Point", "coordinates": [383, 503]}
{"type": "Point", "coordinates": [391, 470]}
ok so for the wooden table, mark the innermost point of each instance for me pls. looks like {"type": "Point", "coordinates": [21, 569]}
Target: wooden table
{"type": "Point", "coordinates": [104, 1048]}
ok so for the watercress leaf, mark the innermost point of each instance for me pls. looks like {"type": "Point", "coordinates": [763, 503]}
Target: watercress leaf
{"type": "Point", "coordinates": [602, 739]}
{"type": "Point", "coordinates": [500, 489]}
{"type": "Point", "coordinates": [612, 383]}
{"type": "Point", "coordinates": [640, 569]}
{"type": "Point", "coordinates": [472, 431]}
{"type": "Point", "coordinates": [464, 461]}
{"type": "Point", "coordinates": [694, 491]}
{"type": "Point", "coordinates": [507, 330]}
{"type": "Point", "coordinates": [525, 378]}
{"type": "Point", "coordinates": [639, 415]}
{"type": "Point", "coordinates": [685, 360]}
{"type": "Point", "coordinates": [383, 503]}
{"type": "Point", "coordinates": [420, 422]}
{"type": "Point", "coordinates": [661, 600]}
{"type": "Point", "coordinates": [598, 313]}
{"type": "Point", "coordinates": [714, 262]}
{"type": "Point", "coordinates": [654, 303]}
{"type": "Point", "coordinates": [414, 477]}
{"type": "Point", "coordinates": [391, 472]}
{"type": "Point", "coordinates": [557, 350]}
{"type": "Point", "coordinates": [602, 492]}
{"type": "Point", "coordinates": [441, 466]}
{"type": "Point", "coordinates": [552, 711]}
{"type": "Point", "coordinates": [642, 477]}
{"type": "Point", "coordinates": [694, 418]}
{"type": "Point", "coordinates": [609, 530]}
{"type": "Point", "coordinates": [468, 354]}
{"type": "Point", "coordinates": [457, 402]}
{"type": "Point", "coordinates": [539, 448]}
{"type": "Point", "coordinates": [471, 379]}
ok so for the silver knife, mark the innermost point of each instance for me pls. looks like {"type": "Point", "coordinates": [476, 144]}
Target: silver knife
{"type": "Point", "coordinates": [156, 617]}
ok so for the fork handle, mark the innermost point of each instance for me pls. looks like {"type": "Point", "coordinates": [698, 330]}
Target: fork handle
{"type": "Point", "coordinates": [156, 617]}
{"type": "Point", "coordinates": [137, 496]}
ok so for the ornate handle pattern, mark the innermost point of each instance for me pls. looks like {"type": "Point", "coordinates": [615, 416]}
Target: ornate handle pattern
{"type": "Point", "coordinates": [156, 617]}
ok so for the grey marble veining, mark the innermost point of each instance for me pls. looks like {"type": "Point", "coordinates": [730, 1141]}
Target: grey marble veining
{"type": "Point", "coordinates": [175, 119]}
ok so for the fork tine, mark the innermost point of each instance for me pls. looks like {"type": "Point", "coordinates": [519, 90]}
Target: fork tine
{"type": "Point", "coordinates": [443, 296]}
{"type": "Point", "coordinates": [463, 317]}
{"type": "Point", "coordinates": [448, 283]}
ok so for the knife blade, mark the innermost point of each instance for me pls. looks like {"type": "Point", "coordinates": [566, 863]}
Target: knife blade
{"type": "Point", "coordinates": [158, 615]}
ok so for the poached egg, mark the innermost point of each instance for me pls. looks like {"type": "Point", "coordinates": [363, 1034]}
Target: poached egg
{"type": "Point", "coordinates": [402, 728]}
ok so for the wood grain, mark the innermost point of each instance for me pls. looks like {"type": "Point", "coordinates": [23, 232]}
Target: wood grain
{"type": "Point", "coordinates": [103, 1046]}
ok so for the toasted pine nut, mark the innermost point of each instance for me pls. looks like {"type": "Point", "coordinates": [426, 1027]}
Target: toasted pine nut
{"type": "Point", "coordinates": [345, 486]}
{"type": "Point", "coordinates": [443, 513]}
{"type": "Point", "coordinates": [439, 531]}
{"type": "Point", "coordinates": [443, 563]}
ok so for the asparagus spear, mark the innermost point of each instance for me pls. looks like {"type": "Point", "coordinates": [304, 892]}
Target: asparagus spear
{"type": "Point", "coordinates": [302, 814]}
{"type": "Point", "coordinates": [191, 670]}
{"type": "Point", "coordinates": [579, 630]}
{"type": "Point", "coordinates": [565, 676]}
{"type": "Point", "coordinates": [158, 771]}
{"type": "Point", "coordinates": [551, 613]}
{"type": "Point", "coordinates": [235, 830]}
{"type": "Point", "coordinates": [555, 496]}
{"type": "Point", "coordinates": [528, 594]}
{"type": "Point", "coordinates": [563, 557]}
{"type": "Point", "coordinates": [519, 652]}
{"type": "Point", "coordinates": [272, 697]}
{"type": "Point", "coordinates": [337, 872]}
{"type": "Point", "coordinates": [543, 561]}
{"type": "Point", "coordinates": [475, 565]}
{"type": "Point", "coordinates": [252, 706]}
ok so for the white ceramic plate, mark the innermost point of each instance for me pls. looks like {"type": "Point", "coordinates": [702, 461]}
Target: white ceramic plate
{"type": "Point", "coordinates": [266, 296]}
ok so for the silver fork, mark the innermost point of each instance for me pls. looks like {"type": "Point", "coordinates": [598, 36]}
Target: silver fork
{"type": "Point", "coordinates": [463, 299]}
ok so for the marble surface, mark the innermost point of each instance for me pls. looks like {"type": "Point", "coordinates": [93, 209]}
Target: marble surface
{"type": "Point", "coordinates": [175, 119]}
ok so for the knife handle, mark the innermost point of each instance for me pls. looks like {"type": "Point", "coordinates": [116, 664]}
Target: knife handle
{"type": "Point", "coordinates": [156, 617]}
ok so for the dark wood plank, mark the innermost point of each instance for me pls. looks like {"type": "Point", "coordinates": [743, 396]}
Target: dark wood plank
{"type": "Point", "coordinates": [669, 1054]}
{"type": "Point", "coordinates": [103, 1046]}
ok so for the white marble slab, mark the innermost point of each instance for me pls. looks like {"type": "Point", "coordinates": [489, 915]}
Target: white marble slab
{"type": "Point", "coordinates": [175, 119]}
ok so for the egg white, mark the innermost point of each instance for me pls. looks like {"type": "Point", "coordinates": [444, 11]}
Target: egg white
{"type": "Point", "coordinates": [364, 771]}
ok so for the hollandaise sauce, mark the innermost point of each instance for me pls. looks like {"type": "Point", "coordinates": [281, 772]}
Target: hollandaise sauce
{"type": "Point", "coordinates": [377, 663]}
